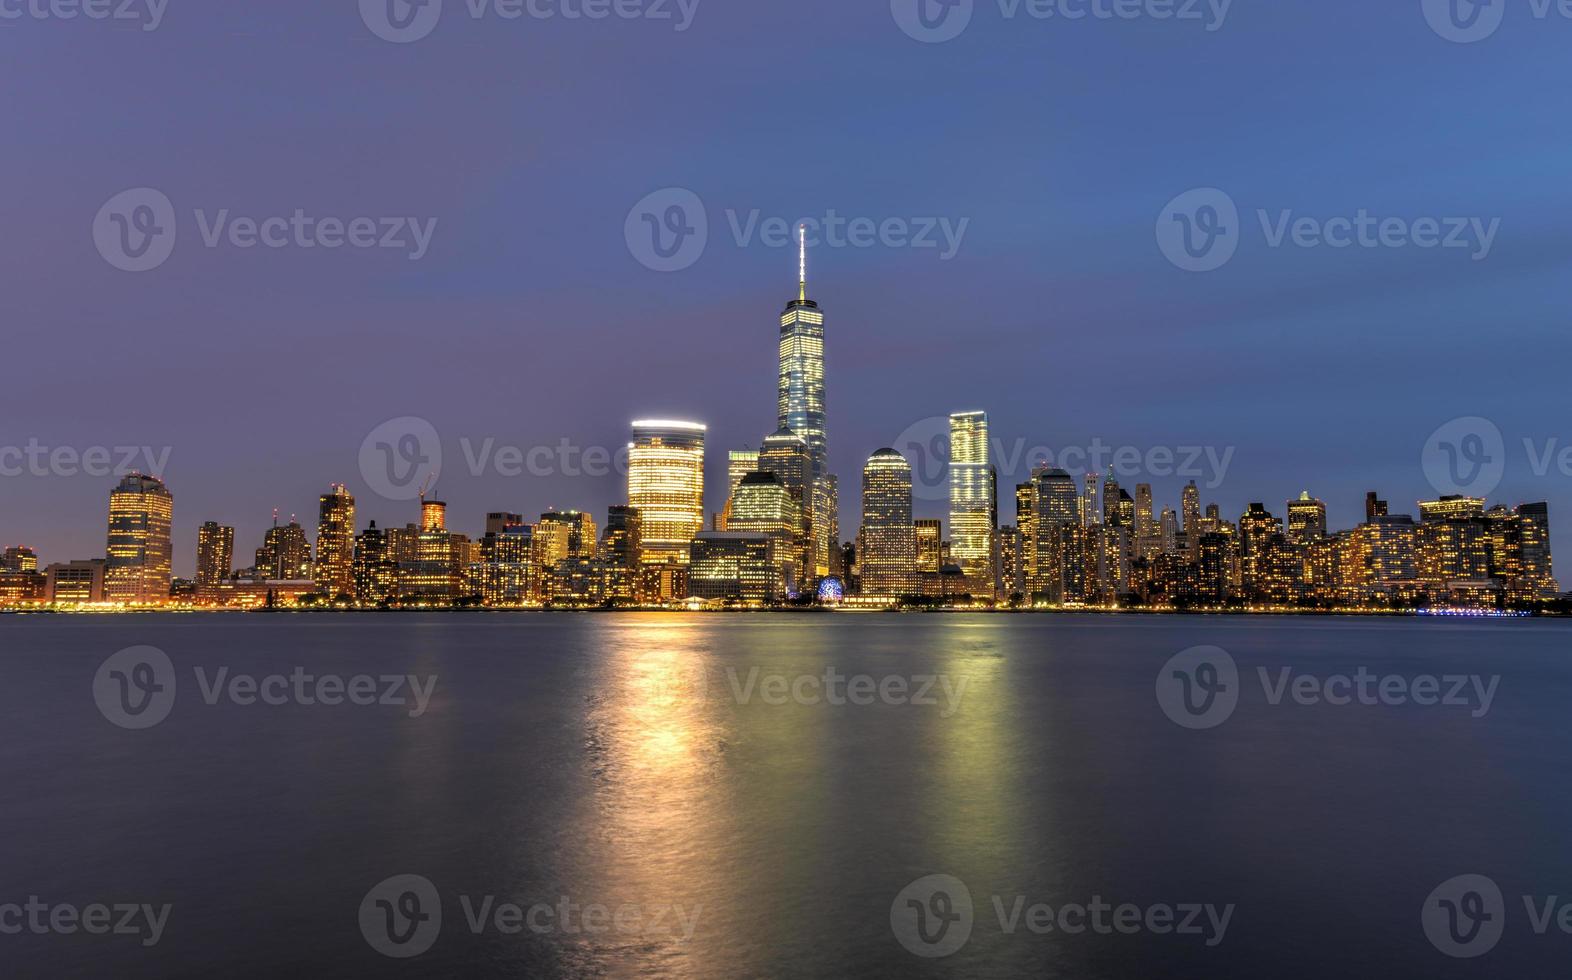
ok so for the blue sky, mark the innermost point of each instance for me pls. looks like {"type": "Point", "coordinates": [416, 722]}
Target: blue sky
{"type": "Point", "coordinates": [529, 320]}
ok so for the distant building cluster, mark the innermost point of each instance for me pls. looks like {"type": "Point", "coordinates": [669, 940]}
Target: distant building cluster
{"type": "Point", "coordinates": [777, 539]}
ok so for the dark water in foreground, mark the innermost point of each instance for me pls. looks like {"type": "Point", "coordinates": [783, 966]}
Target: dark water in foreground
{"type": "Point", "coordinates": [626, 764]}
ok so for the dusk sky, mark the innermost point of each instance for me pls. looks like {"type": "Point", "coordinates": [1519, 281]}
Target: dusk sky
{"type": "Point", "coordinates": [529, 320]}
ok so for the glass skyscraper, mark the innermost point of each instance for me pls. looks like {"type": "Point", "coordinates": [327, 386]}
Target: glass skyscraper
{"type": "Point", "coordinates": [801, 406]}
{"type": "Point", "coordinates": [140, 556]}
{"type": "Point", "coordinates": [887, 557]}
{"type": "Point", "coordinates": [971, 500]}
{"type": "Point", "coordinates": [666, 484]}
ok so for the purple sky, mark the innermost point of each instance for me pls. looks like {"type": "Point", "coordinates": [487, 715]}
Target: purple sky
{"type": "Point", "coordinates": [530, 321]}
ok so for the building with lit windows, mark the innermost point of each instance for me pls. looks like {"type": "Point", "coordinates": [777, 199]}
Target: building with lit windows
{"type": "Point", "coordinates": [1058, 509]}
{"type": "Point", "coordinates": [375, 568]}
{"type": "Point", "coordinates": [887, 550]}
{"type": "Point", "coordinates": [1306, 519]}
{"type": "Point", "coordinates": [75, 582]}
{"type": "Point", "coordinates": [763, 504]}
{"type": "Point", "coordinates": [1190, 511]}
{"type": "Point", "coordinates": [215, 558]}
{"type": "Point", "coordinates": [666, 485]}
{"type": "Point", "coordinates": [972, 508]}
{"type": "Point", "coordinates": [930, 545]}
{"type": "Point", "coordinates": [733, 566]}
{"type": "Point", "coordinates": [739, 463]}
{"type": "Point", "coordinates": [285, 555]}
{"type": "Point", "coordinates": [619, 553]}
{"type": "Point", "coordinates": [335, 566]}
{"type": "Point", "coordinates": [138, 568]}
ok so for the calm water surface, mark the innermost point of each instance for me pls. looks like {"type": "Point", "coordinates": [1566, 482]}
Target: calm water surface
{"type": "Point", "coordinates": [644, 762]}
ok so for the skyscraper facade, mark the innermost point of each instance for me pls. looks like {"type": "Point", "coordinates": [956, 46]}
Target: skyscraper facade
{"type": "Point", "coordinates": [215, 554]}
{"type": "Point", "coordinates": [888, 557]}
{"type": "Point", "coordinates": [335, 568]}
{"type": "Point", "coordinates": [666, 484]}
{"type": "Point", "coordinates": [971, 509]}
{"type": "Point", "coordinates": [800, 409]}
{"type": "Point", "coordinates": [140, 560]}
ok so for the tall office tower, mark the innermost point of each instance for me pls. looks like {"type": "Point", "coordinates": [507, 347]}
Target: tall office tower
{"type": "Point", "coordinates": [1168, 532]}
{"type": "Point", "coordinates": [786, 455]}
{"type": "Point", "coordinates": [1012, 576]}
{"type": "Point", "coordinates": [765, 505]}
{"type": "Point", "coordinates": [285, 553]}
{"type": "Point", "coordinates": [1306, 519]}
{"type": "Point", "coordinates": [930, 536]}
{"type": "Point", "coordinates": [435, 574]}
{"type": "Point", "coordinates": [1110, 496]}
{"type": "Point", "coordinates": [1026, 530]}
{"type": "Point", "coordinates": [140, 557]}
{"type": "Point", "coordinates": [1145, 521]}
{"type": "Point", "coordinates": [619, 552]}
{"type": "Point", "coordinates": [1537, 574]}
{"type": "Point", "coordinates": [971, 507]}
{"type": "Point", "coordinates": [1256, 529]}
{"type": "Point", "coordinates": [739, 463]}
{"type": "Point", "coordinates": [376, 569]}
{"type": "Point", "coordinates": [888, 556]}
{"type": "Point", "coordinates": [335, 569]}
{"type": "Point", "coordinates": [1190, 506]}
{"type": "Point", "coordinates": [1089, 512]}
{"type": "Point", "coordinates": [800, 409]}
{"type": "Point", "coordinates": [1374, 506]}
{"type": "Point", "coordinates": [497, 522]}
{"type": "Point", "coordinates": [215, 554]}
{"type": "Point", "coordinates": [666, 484]}
{"type": "Point", "coordinates": [1058, 509]}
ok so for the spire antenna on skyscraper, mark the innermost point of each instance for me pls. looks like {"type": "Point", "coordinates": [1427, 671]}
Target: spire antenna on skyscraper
{"type": "Point", "coordinates": [802, 263]}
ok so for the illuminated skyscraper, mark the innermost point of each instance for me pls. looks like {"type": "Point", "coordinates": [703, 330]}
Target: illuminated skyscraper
{"type": "Point", "coordinates": [1190, 508]}
{"type": "Point", "coordinates": [739, 463]}
{"type": "Point", "coordinates": [787, 456]}
{"type": "Point", "coordinates": [335, 568]}
{"type": "Point", "coordinates": [285, 554]}
{"type": "Point", "coordinates": [215, 554]}
{"type": "Point", "coordinates": [376, 570]}
{"type": "Point", "coordinates": [1306, 519]}
{"type": "Point", "coordinates": [1058, 514]}
{"type": "Point", "coordinates": [139, 563]}
{"type": "Point", "coordinates": [764, 504]}
{"type": "Point", "coordinates": [887, 557]}
{"type": "Point", "coordinates": [930, 545]}
{"type": "Point", "coordinates": [666, 484]}
{"type": "Point", "coordinates": [971, 509]}
{"type": "Point", "coordinates": [800, 409]}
